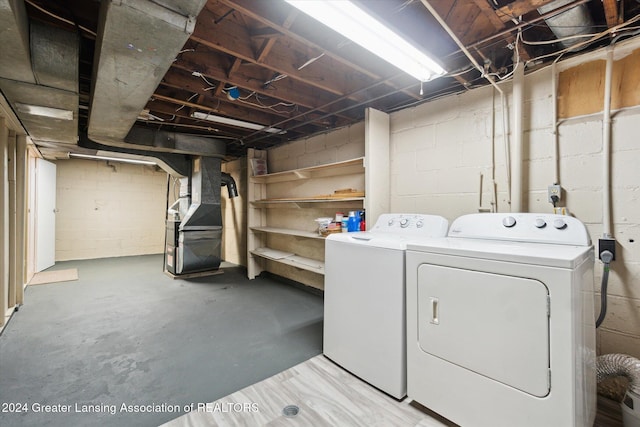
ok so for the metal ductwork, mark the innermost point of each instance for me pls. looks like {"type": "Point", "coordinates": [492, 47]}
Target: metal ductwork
{"type": "Point", "coordinates": [39, 74]}
{"type": "Point", "coordinates": [194, 238]}
{"type": "Point", "coordinates": [172, 163]}
{"type": "Point", "coordinates": [574, 21]}
{"type": "Point", "coordinates": [622, 365]}
{"type": "Point", "coordinates": [137, 43]}
{"type": "Point", "coordinates": [15, 61]}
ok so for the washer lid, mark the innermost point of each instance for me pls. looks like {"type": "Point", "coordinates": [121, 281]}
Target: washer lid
{"type": "Point", "coordinates": [367, 238]}
{"type": "Point", "coordinates": [552, 255]}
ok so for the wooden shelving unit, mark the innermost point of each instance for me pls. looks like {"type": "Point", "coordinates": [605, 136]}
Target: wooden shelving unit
{"type": "Point", "coordinates": [310, 190]}
{"type": "Point", "coordinates": [282, 205]}
{"type": "Point", "coordinates": [348, 167]}
{"type": "Point", "coordinates": [292, 259]}
{"type": "Point", "coordinates": [288, 232]}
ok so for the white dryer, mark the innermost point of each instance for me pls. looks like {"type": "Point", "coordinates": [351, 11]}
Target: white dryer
{"type": "Point", "coordinates": [364, 297]}
{"type": "Point", "coordinates": [500, 322]}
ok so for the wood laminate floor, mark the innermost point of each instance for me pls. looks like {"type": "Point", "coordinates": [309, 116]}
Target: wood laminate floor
{"type": "Point", "coordinates": [326, 395]}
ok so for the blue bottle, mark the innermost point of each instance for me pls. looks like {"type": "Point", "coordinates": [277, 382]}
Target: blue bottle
{"type": "Point", "coordinates": [352, 222]}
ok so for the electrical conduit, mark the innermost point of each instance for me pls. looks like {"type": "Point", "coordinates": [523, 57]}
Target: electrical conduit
{"type": "Point", "coordinates": [444, 25]}
{"type": "Point", "coordinates": [516, 157]}
{"type": "Point", "coordinates": [606, 147]}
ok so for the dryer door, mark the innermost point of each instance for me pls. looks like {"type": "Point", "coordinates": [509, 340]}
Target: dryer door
{"type": "Point", "coordinates": [494, 325]}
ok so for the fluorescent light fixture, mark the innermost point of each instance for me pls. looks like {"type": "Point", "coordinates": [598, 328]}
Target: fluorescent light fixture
{"type": "Point", "coordinates": [358, 26]}
{"type": "Point", "coordinates": [36, 110]}
{"type": "Point", "coordinates": [234, 122]}
{"type": "Point", "coordinates": [113, 159]}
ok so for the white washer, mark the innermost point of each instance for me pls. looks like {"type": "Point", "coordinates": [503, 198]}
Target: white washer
{"type": "Point", "coordinates": [364, 293]}
{"type": "Point", "coordinates": [500, 322]}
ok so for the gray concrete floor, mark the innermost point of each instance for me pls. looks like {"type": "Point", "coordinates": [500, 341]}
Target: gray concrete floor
{"type": "Point", "coordinates": [125, 333]}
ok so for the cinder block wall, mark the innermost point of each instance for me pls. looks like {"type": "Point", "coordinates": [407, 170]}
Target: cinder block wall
{"type": "Point", "coordinates": [439, 150]}
{"type": "Point", "coordinates": [109, 209]}
{"type": "Point", "coordinates": [343, 144]}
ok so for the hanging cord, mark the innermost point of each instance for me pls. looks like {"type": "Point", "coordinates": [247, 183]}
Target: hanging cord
{"type": "Point", "coordinates": [606, 257]}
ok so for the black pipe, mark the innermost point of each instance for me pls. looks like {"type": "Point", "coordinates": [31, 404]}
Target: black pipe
{"type": "Point", "coordinates": [228, 180]}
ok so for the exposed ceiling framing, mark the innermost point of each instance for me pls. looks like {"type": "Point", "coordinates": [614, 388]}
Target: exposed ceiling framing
{"type": "Point", "coordinates": [266, 63]}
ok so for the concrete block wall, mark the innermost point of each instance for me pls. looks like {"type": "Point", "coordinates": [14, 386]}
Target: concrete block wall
{"type": "Point", "coordinates": [109, 209]}
{"type": "Point", "coordinates": [439, 149]}
{"type": "Point", "coordinates": [343, 144]}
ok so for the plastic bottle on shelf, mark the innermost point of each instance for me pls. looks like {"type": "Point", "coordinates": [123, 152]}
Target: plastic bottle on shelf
{"type": "Point", "coordinates": [352, 223]}
{"type": "Point", "coordinates": [363, 223]}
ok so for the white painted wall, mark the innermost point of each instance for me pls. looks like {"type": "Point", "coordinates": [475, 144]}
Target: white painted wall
{"type": "Point", "coordinates": [440, 148]}
{"type": "Point", "coordinates": [109, 209]}
{"type": "Point", "coordinates": [343, 144]}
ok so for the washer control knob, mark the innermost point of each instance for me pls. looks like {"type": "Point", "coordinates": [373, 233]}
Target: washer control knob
{"type": "Point", "coordinates": [509, 221]}
{"type": "Point", "coordinates": [419, 223]}
{"type": "Point", "coordinates": [559, 223]}
{"type": "Point", "coordinates": [404, 222]}
{"type": "Point", "coordinates": [390, 223]}
{"type": "Point", "coordinates": [541, 223]}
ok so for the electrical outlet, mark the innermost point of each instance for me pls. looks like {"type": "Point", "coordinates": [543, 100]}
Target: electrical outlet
{"type": "Point", "coordinates": [607, 245]}
{"type": "Point", "coordinates": [554, 191]}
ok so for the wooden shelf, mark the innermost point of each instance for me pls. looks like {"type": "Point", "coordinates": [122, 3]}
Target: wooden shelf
{"type": "Point", "coordinates": [347, 167]}
{"type": "Point", "coordinates": [294, 260]}
{"type": "Point", "coordinates": [306, 202]}
{"type": "Point", "coordinates": [288, 232]}
{"type": "Point", "coordinates": [293, 199]}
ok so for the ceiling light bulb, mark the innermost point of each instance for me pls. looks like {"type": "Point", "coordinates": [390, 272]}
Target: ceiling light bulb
{"type": "Point", "coordinates": [38, 110]}
{"type": "Point", "coordinates": [234, 122]}
{"type": "Point", "coordinates": [357, 25]}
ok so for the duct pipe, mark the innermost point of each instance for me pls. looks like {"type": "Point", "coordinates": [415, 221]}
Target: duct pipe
{"type": "Point", "coordinates": [606, 147]}
{"type": "Point", "coordinates": [518, 132]}
{"type": "Point", "coordinates": [576, 20]}
{"type": "Point", "coordinates": [226, 179]}
{"type": "Point", "coordinates": [616, 365]}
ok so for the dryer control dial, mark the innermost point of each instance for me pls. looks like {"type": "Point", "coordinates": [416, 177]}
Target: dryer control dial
{"type": "Point", "coordinates": [404, 222]}
{"type": "Point", "coordinates": [559, 223]}
{"type": "Point", "coordinates": [419, 223]}
{"type": "Point", "coordinates": [540, 223]}
{"type": "Point", "coordinates": [509, 221]}
{"type": "Point", "coordinates": [390, 223]}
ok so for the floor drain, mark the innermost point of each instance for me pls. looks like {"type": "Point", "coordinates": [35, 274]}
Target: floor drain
{"type": "Point", "coordinates": [290, 411]}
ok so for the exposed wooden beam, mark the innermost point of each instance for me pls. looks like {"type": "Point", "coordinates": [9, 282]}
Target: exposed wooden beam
{"type": "Point", "coordinates": [288, 90]}
{"type": "Point", "coordinates": [234, 67]}
{"type": "Point", "coordinates": [268, 43]}
{"type": "Point", "coordinates": [232, 39]}
{"type": "Point", "coordinates": [611, 12]}
{"type": "Point", "coordinates": [350, 55]}
{"type": "Point", "coordinates": [519, 8]}
{"type": "Point", "coordinates": [224, 109]}
{"type": "Point", "coordinates": [490, 13]}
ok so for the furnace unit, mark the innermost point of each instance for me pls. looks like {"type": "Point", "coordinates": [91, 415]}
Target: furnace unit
{"type": "Point", "coordinates": [194, 238]}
